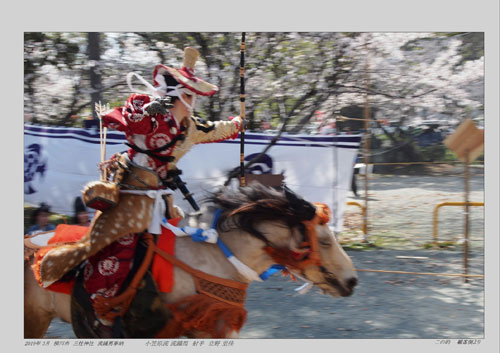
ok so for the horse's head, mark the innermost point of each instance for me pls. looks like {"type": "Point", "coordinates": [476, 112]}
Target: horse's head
{"type": "Point", "coordinates": [331, 269]}
{"type": "Point", "coordinates": [295, 234]}
{"type": "Point", "coordinates": [320, 258]}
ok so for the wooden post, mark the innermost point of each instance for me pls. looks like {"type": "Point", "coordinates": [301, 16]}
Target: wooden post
{"type": "Point", "coordinates": [466, 225]}
{"type": "Point", "coordinates": [467, 142]}
{"type": "Point", "coordinates": [366, 150]}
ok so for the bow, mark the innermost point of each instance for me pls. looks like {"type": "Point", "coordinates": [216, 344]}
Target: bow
{"type": "Point", "coordinates": [242, 110]}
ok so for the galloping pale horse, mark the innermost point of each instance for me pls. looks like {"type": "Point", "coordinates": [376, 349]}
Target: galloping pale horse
{"type": "Point", "coordinates": [261, 227]}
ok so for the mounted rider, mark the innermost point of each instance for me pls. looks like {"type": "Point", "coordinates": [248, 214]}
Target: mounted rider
{"type": "Point", "coordinates": [160, 129]}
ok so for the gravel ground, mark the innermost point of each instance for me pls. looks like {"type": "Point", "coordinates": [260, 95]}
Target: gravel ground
{"type": "Point", "coordinates": [382, 306]}
{"type": "Point", "coordinates": [400, 207]}
{"type": "Point", "coordinates": [385, 305]}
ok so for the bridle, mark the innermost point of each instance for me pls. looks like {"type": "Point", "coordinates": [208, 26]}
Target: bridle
{"type": "Point", "coordinates": [321, 217]}
{"type": "Point", "coordinates": [307, 254]}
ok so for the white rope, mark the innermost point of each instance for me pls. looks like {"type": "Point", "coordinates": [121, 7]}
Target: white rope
{"type": "Point", "coordinates": [244, 270]}
{"type": "Point", "coordinates": [177, 91]}
{"type": "Point", "coordinates": [303, 289]}
{"type": "Point", "coordinates": [211, 236]}
{"type": "Point", "coordinates": [206, 235]}
{"type": "Point", "coordinates": [151, 89]}
{"type": "Point", "coordinates": [306, 287]}
{"type": "Point", "coordinates": [161, 90]}
{"type": "Point", "coordinates": [159, 207]}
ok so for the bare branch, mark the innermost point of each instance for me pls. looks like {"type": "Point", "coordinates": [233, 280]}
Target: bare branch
{"type": "Point", "coordinates": [357, 89]}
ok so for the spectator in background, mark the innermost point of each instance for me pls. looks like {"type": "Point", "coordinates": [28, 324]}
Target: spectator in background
{"type": "Point", "coordinates": [40, 220]}
{"type": "Point", "coordinates": [329, 128]}
{"type": "Point", "coordinates": [354, 187]}
{"type": "Point", "coordinates": [81, 217]}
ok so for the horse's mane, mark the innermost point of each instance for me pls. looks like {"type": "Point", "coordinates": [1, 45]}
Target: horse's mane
{"type": "Point", "coordinates": [247, 206]}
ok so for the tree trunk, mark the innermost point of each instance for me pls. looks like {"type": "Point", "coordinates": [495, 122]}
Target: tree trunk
{"type": "Point", "coordinates": [94, 54]}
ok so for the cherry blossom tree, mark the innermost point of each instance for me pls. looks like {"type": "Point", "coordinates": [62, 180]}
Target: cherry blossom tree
{"type": "Point", "coordinates": [289, 76]}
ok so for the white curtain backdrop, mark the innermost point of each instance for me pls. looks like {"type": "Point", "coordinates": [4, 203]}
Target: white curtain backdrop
{"type": "Point", "coordinates": [58, 162]}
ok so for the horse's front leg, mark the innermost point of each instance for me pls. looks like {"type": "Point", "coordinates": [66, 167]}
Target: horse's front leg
{"type": "Point", "coordinates": [36, 321]}
{"type": "Point", "coordinates": [38, 309]}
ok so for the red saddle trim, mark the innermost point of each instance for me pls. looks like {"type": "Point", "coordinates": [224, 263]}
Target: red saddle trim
{"type": "Point", "coordinates": [163, 270]}
{"type": "Point", "coordinates": [64, 233]}
{"type": "Point", "coordinates": [68, 233]}
{"type": "Point", "coordinates": [62, 287]}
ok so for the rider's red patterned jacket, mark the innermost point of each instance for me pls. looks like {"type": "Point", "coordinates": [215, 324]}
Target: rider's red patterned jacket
{"type": "Point", "coordinates": [162, 135]}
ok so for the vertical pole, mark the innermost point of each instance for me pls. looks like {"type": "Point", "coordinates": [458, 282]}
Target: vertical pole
{"type": "Point", "coordinates": [94, 57]}
{"type": "Point", "coordinates": [101, 143]}
{"type": "Point", "coordinates": [466, 226]}
{"type": "Point", "coordinates": [242, 110]}
{"type": "Point", "coordinates": [98, 109]}
{"type": "Point", "coordinates": [367, 148]}
{"type": "Point", "coordinates": [104, 173]}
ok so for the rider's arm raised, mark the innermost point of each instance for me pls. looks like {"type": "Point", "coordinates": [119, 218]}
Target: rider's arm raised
{"type": "Point", "coordinates": [213, 131]}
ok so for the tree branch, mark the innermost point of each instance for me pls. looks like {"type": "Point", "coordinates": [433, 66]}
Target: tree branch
{"type": "Point", "coordinates": [364, 90]}
{"type": "Point", "coordinates": [148, 38]}
{"type": "Point", "coordinates": [75, 110]}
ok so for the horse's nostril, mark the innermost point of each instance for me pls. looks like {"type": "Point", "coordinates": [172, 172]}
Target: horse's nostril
{"type": "Point", "coordinates": [352, 282]}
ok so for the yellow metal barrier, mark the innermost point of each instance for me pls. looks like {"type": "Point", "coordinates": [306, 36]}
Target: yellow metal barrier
{"type": "Point", "coordinates": [435, 215]}
{"type": "Point", "coordinates": [363, 211]}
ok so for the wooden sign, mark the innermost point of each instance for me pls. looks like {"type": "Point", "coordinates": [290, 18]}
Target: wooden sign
{"type": "Point", "coordinates": [466, 138]}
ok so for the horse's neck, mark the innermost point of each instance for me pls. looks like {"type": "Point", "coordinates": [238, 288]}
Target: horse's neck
{"type": "Point", "coordinates": [205, 257]}
{"type": "Point", "coordinates": [247, 249]}
{"type": "Point", "coordinates": [209, 257]}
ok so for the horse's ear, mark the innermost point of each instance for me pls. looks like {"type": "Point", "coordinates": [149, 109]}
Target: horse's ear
{"type": "Point", "coordinates": [304, 208]}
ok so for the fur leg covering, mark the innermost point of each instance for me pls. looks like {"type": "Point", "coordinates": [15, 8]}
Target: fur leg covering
{"type": "Point", "coordinates": [132, 215]}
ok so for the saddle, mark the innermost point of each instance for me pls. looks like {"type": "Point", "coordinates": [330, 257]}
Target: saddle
{"type": "Point", "coordinates": [132, 214]}
{"type": "Point", "coordinates": [146, 314]}
{"type": "Point", "coordinates": [144, 318]}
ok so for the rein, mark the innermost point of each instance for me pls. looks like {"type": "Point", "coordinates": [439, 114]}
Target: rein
{"type": "Point", "coordinates": [204, 280]}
